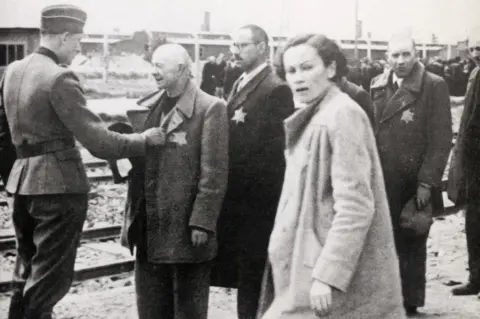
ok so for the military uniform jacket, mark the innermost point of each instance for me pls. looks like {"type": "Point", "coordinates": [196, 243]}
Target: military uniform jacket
{"type": "Point", "coordinates": [413, 129]}
{"type": "Point", "coordinates": [45, 104]}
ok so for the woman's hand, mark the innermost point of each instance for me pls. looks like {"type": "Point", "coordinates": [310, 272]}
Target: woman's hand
{"type": "Point", "coordinates": [321, 298]}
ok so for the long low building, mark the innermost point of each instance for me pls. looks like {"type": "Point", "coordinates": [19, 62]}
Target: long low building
{"type": "Point", "coordinates": [17, 42]}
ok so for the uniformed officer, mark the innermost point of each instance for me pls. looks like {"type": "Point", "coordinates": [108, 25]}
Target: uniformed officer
{"type": "Point", "coordinates": [44, 109]}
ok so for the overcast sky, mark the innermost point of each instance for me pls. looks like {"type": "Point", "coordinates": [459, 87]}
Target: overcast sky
{"type": "Point", "coordinates": [450, 20]}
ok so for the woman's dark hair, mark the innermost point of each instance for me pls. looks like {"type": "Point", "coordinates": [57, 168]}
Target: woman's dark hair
{"type": "Point", "coordinates": [326, 48]}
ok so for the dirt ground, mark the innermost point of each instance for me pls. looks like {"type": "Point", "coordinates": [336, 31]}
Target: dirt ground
{"type": "Point", "coordinates": [447, 263]}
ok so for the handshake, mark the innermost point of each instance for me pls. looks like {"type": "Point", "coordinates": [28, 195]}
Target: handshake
{"type": "Point", "coordinates": [154, 136]}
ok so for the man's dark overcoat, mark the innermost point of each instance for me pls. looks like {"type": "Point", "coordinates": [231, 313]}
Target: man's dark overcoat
{"type": "Point", "coordinates": [464, 166]}
{"type": "Point", "coordinates": [414, 137]}
{"type": "Point", "coordinates": [180, 185]}
{"type": "Point", "coordinates": [256, 171]}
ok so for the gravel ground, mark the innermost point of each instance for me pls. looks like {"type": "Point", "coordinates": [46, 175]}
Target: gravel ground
{"type": "Point", "coordinates": [106, 206]}
{"type": "Point", "coordinates": [447, 263]}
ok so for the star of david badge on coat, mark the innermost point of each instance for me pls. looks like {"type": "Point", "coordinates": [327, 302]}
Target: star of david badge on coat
{"type": "Point", "coordinates": [407, 116]}
{"type": "Point", "coordinates": [179, 137]}
{"type": "Point", "coordinates": [239, 116]}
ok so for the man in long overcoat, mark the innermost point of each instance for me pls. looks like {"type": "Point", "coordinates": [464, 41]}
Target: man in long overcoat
{"type": "Point", "coordinates": [257, 106]}
{"type": "Point", "coordinates": [43, 112]}
{"type": "Point", "coordinates": [175, 198]}
{"type": "Point", "coordinates": [414, 136]}
{"type": "Point", "coordinates": [464, 175]}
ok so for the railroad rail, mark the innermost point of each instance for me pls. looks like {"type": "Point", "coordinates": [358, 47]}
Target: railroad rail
{"type": "Point", "coordinates": [86, 273]}
{"type": "Point", "coordinates": [7, 241]}
{"type": "Point", "coordinates": [98, 163]}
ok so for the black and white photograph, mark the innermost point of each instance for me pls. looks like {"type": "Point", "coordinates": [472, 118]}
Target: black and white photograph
{"type": "Point", "coordinates": [252, 159]}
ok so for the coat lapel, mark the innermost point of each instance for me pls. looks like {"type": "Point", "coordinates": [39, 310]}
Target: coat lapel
{"type": "Point", "coordinates": [240, 97]}
{"type": "Point", "coordinates": [406, 94]}
{"type": "Point", "coordinates": [154, 103]}
{"type": "Point", "coordinates": [401, 100]}
{"type": "Point", "coordinates": [380, 95]}
{"type": "Point", "coordinates": [183, 109]}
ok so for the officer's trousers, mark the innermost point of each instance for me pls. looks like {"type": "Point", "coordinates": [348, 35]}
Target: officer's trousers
{"type": "Point", "coordinates": [48, 230]}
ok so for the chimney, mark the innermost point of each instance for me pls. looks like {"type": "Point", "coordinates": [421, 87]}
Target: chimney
{"type": "Point", "coordinates": [206, 22]}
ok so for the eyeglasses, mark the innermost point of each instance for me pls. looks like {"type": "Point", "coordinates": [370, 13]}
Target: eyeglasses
{"type": "Point", "coordinates": [243, 45]}
{"type": "Point", "coordinates": [474, 49]}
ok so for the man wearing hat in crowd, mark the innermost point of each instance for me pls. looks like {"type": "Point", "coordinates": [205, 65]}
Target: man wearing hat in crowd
{"type": "Point", "coordinates": [414, 134]}
{"type": "Point", "coordinates": [43, 110]}
{"type": "Point", "coordinates": [464, 175]}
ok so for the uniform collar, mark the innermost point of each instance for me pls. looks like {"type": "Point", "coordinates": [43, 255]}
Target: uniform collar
{"type": "Point", "coordinates": [48, 53]}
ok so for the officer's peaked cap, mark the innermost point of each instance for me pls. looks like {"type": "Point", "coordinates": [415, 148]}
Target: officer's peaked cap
{"type": "Point", "coordinates": [62, 18]}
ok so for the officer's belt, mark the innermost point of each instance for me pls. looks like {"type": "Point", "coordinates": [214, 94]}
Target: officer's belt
{"type": "Point", "coordinates": [31, 150]}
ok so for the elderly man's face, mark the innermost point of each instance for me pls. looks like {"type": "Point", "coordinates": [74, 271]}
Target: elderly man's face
{"type": "Point", "coordinates": [167, 69]}
{"type": "Point", "coordinates": [402, 56]}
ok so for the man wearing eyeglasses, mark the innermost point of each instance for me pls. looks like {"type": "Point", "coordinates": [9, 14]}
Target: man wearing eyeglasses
{"type": "Point", "coordinates": [257, 105]}
{"type": "Point", "coordinates": [464, 175]}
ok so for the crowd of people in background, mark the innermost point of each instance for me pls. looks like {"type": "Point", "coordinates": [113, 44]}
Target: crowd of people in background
{"type": "Point", "coordinates": [311, 188]}
{"type": "Point", "coordinates": [220, 73]}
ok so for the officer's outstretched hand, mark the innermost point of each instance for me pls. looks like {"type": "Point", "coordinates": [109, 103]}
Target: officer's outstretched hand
{"type": "Point", "coordinates": [154, 136]}
{"type": "Point", "coordinates": [321, 298]}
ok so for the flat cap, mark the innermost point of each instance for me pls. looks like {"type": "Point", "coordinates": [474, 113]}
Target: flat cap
{"type": "Point", "coordinates": [63, 18]}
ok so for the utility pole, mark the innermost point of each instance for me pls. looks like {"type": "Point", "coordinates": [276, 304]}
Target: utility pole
{"type": "Point", "coordinates": [355, 52]}
{"type": "Point", "coordinates": [105, 57]}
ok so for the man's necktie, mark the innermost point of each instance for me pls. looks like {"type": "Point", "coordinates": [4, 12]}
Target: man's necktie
{"type": "Point", "coordinates": [240, 84]}
{"type": "Point", "coordinates": [395, 86]}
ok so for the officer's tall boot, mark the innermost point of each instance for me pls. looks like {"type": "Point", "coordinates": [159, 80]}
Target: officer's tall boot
{"type": "Point", "coordinates": [17, 305]}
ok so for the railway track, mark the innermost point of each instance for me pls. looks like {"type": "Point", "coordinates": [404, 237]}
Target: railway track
{"type": "Point", "coordinates": [90, 165]}
{"type": "Point", "coordinates": [7, 243]}
{"type": "Point", "coordinates": [92, 272]}
{"type": "Point", "coordinates": [7, 240]}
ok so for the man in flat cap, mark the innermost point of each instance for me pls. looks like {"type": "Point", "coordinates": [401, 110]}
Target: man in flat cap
{"type": "Point", "coordinates": [42, 112]}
